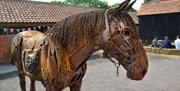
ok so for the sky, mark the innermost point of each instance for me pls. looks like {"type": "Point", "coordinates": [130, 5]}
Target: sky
{"type": "Point", "coordinates": [110, 2]}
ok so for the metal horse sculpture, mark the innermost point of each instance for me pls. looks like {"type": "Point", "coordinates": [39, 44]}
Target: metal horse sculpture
{"type": "Point", "coordinates": [68, 44]}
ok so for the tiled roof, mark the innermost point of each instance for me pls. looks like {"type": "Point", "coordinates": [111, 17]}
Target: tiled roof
{"type": "Point", "coordinates": [23, 11]}
{"type": "Point", "coordinates": [162, 7]}
{"type": "Point", "coordinates": [134, 17]}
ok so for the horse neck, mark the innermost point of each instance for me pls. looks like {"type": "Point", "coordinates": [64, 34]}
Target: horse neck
{"type": "Point", "coordinates": [78, 51]}
{"type": "Point", "coordinates": [87, 46]}
{"type": "Point", "coordinates": [80, 57]}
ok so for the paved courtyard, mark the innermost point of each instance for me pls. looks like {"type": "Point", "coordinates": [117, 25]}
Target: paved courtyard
{"type": "Point", "coordinates": [163, 75]}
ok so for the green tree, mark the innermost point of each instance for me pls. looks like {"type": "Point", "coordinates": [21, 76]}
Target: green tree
{"type": "Point", "coordinates": [132, 10]}
{"type": "Point", "coordinates": [57, 2]}
{"type": "Point", "coordinates": [88, 3]}
{"type": "Point", "coordinates": [116, 5]}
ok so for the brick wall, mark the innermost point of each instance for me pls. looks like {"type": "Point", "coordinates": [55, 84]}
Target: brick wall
{"type": "Point", "coordinates": [5, 42]}
{"type": "Point", "coordinates": [4, 49]}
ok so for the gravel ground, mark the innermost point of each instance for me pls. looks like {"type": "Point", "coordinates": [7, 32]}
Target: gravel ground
{"type": "Point", "coordinates": [163, 75]}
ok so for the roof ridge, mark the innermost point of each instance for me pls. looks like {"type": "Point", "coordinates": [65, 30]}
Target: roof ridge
{"type": "Point", "coordinates": [34, 11]}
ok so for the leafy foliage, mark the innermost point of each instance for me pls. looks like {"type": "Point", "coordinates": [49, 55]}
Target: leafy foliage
{"type": "Point", "coordinates": [57, 2]}
{"type": "Point", "coordinates": [89, 3]}
{"type": "Point", "coordinates": [116, 5]}
{"type": "Point", "coordinates": [132, 10]}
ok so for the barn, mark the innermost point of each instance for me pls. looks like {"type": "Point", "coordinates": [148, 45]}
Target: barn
{"type": "Point", "coordinates": [159, 18]}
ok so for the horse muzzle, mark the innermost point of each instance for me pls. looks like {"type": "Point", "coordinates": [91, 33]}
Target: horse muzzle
{"type": "Point", "coordinates": [136, 70]}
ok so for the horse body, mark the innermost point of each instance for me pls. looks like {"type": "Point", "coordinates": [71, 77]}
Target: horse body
{"type": "Point", "coordinates": [69, 43]}
{"type": "Point", "coordinates": [30, 41]}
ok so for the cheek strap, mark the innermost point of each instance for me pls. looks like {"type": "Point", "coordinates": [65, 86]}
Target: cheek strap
{"type": "Point", "coordinates": [107, 32]}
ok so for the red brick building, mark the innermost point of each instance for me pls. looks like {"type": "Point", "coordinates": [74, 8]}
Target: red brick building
{"type": "Point", "coordinates": [159, 18]}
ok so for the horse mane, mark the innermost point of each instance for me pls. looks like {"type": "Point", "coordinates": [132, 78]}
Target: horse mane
{"type": "Point", "coordinates": [128, 21]}
{"type": "Point", "coordinates": [72, 30]}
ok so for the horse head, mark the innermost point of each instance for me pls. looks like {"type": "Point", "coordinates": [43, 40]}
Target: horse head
{"type": "Point", "coordinates": [122, 42]}
{"type": "Point", "coordinates": [31, 59]}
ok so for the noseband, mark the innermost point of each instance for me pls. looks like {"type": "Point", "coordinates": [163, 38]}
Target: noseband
{"type": "Point", "coordinates": [126, 58]}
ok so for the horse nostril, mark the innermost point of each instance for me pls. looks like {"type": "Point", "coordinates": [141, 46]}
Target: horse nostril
{"type": "Point", "coordinates": [144, 72]}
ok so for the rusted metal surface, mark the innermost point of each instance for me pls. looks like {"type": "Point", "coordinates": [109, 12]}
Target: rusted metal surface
{"type": "Point", "coordinates": [65, 48]}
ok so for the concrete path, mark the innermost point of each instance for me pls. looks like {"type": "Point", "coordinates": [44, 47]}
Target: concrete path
{"type": "Point", "coordinates": [7, 70]}
{"type": "Point", "coordinates": [163, 75]}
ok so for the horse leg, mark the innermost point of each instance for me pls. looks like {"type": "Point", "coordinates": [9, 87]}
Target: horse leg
{"type": "Point", "coordinates": [32, 85]}
{"type": "Point", "coordinates": [76, 86]}
{"type": "Point", "coordinates": [22, 81]}
{"type": "Point", "coordinates": [77, 82]}
{"type": "Point", "coordinates": [49, 88]}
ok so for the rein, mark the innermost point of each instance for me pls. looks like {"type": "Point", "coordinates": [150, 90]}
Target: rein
{"type": "Point", "coordinates": [110, 34]}
{"type": "Point", "coordinates": [126, 58]}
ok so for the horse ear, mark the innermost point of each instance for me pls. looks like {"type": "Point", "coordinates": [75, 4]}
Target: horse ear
{"type": "Point", "coordinates": [121, 8]}
{"type": "Point", "coordinates": [130, 5]}
{"type": "Point", "coordinates": [123, 5]}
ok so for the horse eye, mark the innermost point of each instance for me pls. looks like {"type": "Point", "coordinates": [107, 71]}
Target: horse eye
{"type": "Point", "coordinates": [126, 33]}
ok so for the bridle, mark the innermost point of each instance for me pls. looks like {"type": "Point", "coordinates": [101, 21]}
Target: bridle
{"type": "Point", "coordinates": [126, 58]}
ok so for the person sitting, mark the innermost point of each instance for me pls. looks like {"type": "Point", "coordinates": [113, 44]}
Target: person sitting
{"type": "Point", "coordinates": [166, 43]}
{"type": "Point", "coordinates": [177, 42]}
{"type": "Point", "coordinates": [160, 43]}
{"type": "Point", "coordinates": [155, 42]}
